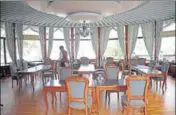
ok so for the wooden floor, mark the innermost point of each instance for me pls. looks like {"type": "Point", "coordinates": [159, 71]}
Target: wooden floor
{"type": "Point", "coordinates": [28, 102]}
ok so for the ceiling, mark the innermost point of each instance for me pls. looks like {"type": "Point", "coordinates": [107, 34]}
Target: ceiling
{"type": "Point", "coordinates": [89, 10]}
{"type": "Point", "coordinates": [103, 13]}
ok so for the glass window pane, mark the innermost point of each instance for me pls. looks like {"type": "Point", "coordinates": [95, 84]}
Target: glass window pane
{"type": "Point", "coordinates": [167, 48]}
{"type": "Point", "coordinates": [113, 34]}
{"type": "Point", "coordinates": [29, 31]}
{"type": "Point", "coordinates": [85, 49]}
{"type": "Point", "coordinates": [170, 27]}
{"type": "Point", "coordinates": [3, 32]}
{"type": "Point", "coordinates": [55, 50]}
{"type": "Point", "coordinates": [58, 33]}
{"type": "Point", "coordinates": [140, 50]}
{"type": "Point", "coordinates": [31, 50]}
{"type": "Point", "coordinates": [140, 32]}
{"type": "Point", "coordinates": [113, 50]}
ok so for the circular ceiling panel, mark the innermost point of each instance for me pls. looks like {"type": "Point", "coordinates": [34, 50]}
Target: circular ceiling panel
{"type": "Point", "coordinates": [87, 16]}
{"type": "Point", "coordinates": [83, 10]}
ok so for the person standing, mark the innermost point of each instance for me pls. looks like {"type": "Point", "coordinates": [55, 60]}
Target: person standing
{"type": "Point", "coordinates": [63, 58]}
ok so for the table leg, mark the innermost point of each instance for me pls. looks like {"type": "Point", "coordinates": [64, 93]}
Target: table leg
{"type": "Point", "coordinates": [98, 99]}
{"type": "Point", "coordinates": [53, 97]}
{"type": "Point", "coordinates": [32, 81]}
{"type": "Point", "coordinates": [44, 93]}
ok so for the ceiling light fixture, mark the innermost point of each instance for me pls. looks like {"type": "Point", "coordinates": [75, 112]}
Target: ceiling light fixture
{"type": "Point", "coordinates": [84, 31]}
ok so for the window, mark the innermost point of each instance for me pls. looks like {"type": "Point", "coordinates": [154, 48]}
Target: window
{"type": "Point", "coordinates": [31, 50]}
{"type": "Point", "coordinates": [113, 50]}
{"type": "Point", "coordinates": [167, 48]}
{"type": "Point", "coordinates": [55, 52]}
{"type": "Point", "coordinates": [113, 34]}
{"type": "Point", "coordinates": [113, 47]}
{"type": "Point", "coordinates": [85, 48]}
{"type": "Point", "coordinates": [3, 32]}
{"type": "Point", "coordinates": [58, 33]}
{"type": "Point", "coordinates": [29, 31]}
{"type": "Point", "coordinates": [171, 27]}
{"type": "Point", "coordinates": [140, 48]}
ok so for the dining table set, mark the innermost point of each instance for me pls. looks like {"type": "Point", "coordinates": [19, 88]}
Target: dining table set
{"type": "Point", "coordinates": [97, 84]}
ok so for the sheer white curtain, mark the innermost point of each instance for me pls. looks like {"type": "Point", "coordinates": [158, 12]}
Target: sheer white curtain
{"type": "Point", "coordinates": [167, 23]}
{"type": "Point", "coordinates": [148, 30]}
{"type": "Point", "coordinates": [77, 41]}
{"type": "Point", "coordinates": [120, 32]}
{"type": "Point", "coordinates": [10, 39]}
{"type": "Point", "coordinates": [132, 37]}
{"type": "Point", "coordinates": [159, 29]}
{"type": "Point", "coordinates": [67, 41]}
{"type": "Point", "coordinates": [19, 32]}
{"type": "Point", "coordinates": [104, 37]}
{"type": "Point", "coordinates": [94, 40]}
{"type": "Point", "coordinates": [50, 40]}
{"type": "Point", "coordinates": [41, 36]}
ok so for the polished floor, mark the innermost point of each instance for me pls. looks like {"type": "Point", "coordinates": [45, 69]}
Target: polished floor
{"type": "Point", "coordinates": [28, 102]}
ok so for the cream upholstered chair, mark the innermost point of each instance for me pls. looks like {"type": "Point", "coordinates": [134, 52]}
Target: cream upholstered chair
{"type": "Point", "coordinates": [64, 72]}
{"type": "Point", "coordinates": [84, 60]}
{"type": "Point", "coordinates": [111, 72]}
{"type": "Point", "coordinates": [50, 72]}
{"type": "Point", "coordinates": [141, 61]}
{"type": "Point", "coordinates": [163, 76]}
{"type": "Point", "coordinates": [136, 94]}
{"type": "Point", "coordinates": [78, 94]}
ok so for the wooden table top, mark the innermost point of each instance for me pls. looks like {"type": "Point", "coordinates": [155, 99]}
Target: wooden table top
{"type": "Point", "coordinates": [86, 68]}
{"type": "Point", "coordinates": [35, 69]}
{"type": "Point", "coordinates": [92, 83]}
{"type": "Point", "coordinates": [146, 69]}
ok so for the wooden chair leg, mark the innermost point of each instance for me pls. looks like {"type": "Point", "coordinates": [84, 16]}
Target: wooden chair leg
{"type": "Point", "coordinates": [69, 111]}
{"type": "Point", "coordinates": [145, 110]}
{"type": "Point", "coordinates": [106, 95]}
{"type": "Point", "coordinates": [123, 108]}
{"type": "Point", "coordinates": [109, 99]}
{"type": "Point", "coordinates": [118, 96]}
{"type": "Point", "coordinates": [60, 98]}
{"type": "Point", "coordinates": [127, 110]}
{"type": "Point", "coordinates": [86, 111]}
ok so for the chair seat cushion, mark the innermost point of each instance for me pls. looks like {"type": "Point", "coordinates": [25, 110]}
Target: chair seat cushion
{"type": "Point", "coordinates": [132, 102]}
{"type": "Point", "coordinates": [81, 105]}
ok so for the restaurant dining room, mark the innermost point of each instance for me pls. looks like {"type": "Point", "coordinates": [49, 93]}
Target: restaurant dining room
{"type": "Point", "coordinates": [87, 57]}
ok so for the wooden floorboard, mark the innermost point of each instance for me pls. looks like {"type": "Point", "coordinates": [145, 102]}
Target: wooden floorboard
{"type": "Point", "coordinates": [28, 102]}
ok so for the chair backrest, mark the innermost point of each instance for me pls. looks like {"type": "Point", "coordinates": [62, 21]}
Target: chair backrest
{"type": "Point", "coordinates": [84, 60]}
{"type": "Point", "coordinates": [137, 87]}
{"type": "Point", "coordinates": [109, 60]}
{"type": "Point", "coordinates": [77, 89]}
{"type": "Point", "coordinates": [133, 62]}
{"type": "Point", "coordinates": [165, 67]}
{"type": "Point", "coordinates": [25, 65]}
{"type": "Point", "coordinates": [111, 72]}
{"type": "Point", "coordinates": [48, 61]}
{"type": "Point", "coordinates": [141, 61]}
{"type": "Point", "coordinates": [152, 63]}
{"type": "Point", "coordinates": [65, 72]}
